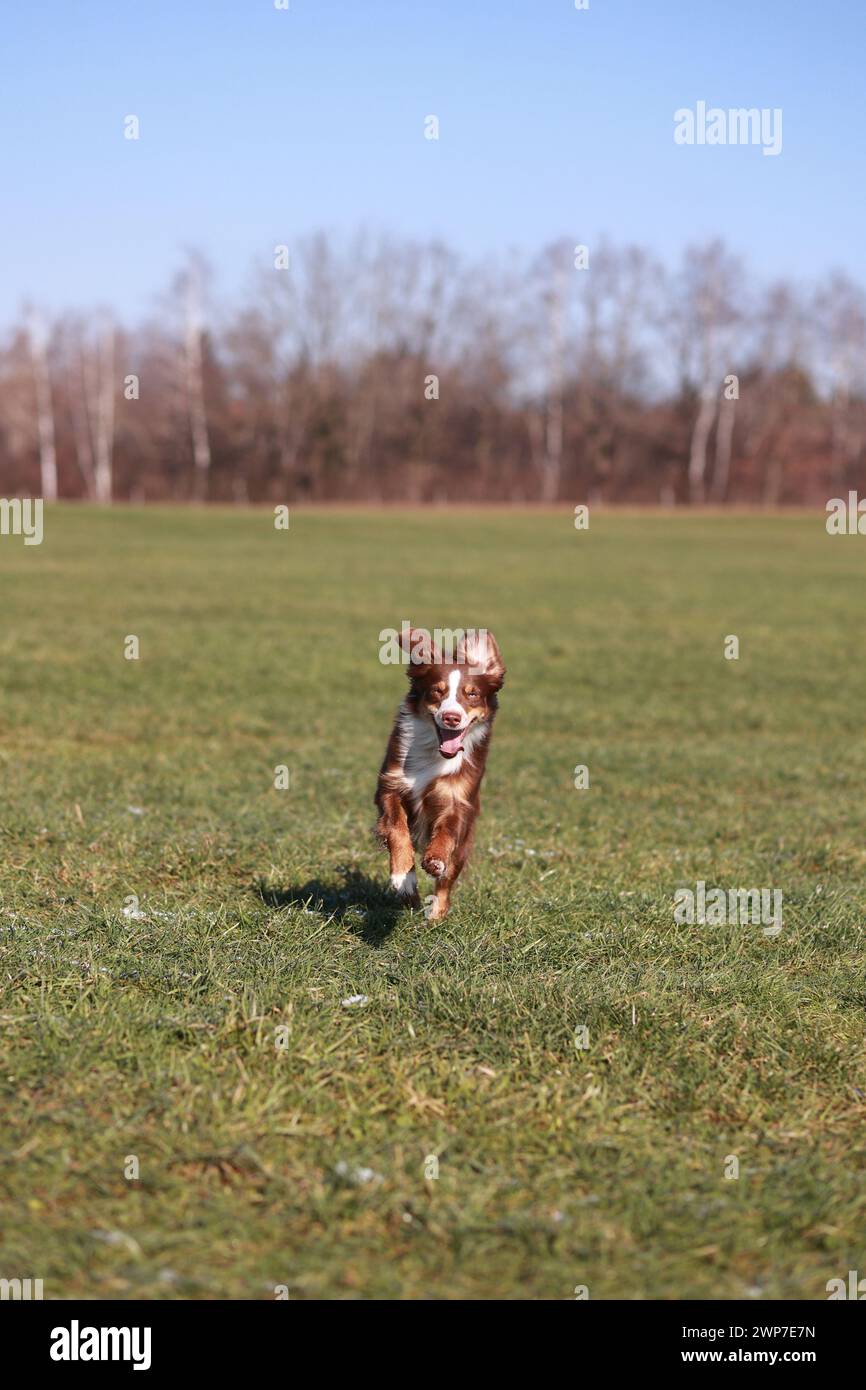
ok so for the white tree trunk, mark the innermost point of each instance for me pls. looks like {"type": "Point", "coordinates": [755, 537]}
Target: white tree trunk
{"type": "Point", "coordinates": [76, 390]}
{"type": "Point", "coordinates": [724, 437]}
{"type": "Point", "coordinates": [700, 438]}
{"type": "Point", "coordinates": [552, 473]}
{"type": "Point", "coordinates": [95, 430]}
{"type": "Point", "coordinates": [102, 413]}
{"type": "Point", "coordinates": [195, 384]}
{"type": "Point", "coordinates": [44, 409]}
{"type": "Point", "coordinates": [104, 432]}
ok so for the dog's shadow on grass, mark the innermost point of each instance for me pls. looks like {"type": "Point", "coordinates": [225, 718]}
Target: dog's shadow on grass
{"type": "Point", "coordinates": [359, 903]}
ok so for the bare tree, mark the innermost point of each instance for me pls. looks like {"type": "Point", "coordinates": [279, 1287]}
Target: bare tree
{"type": "Point", "coordinates": [193, 360]}
{"type": "Point", "coordinates": [545, 336]}
{"type": "Point", "coordinates": [101, 408]}
{"type": "Point", "coordinates": [105, 424]}
{"type": "Point", "coordinates": [840, 314]}
{"type": "Point", "coordinates": [782, 339]}
{"type": "Point", "coordinates": [44, 406]}
{"type": "Point", "coordinates": [724, 441]}
{"type": "Point", "coordinates": [87, 361]}
{"type": "Point", "coordinates": [552, 474]}
{"type": "Point", "coordinates": [74, 346]}
{"type": "Point", "coordinates": [712, 287]}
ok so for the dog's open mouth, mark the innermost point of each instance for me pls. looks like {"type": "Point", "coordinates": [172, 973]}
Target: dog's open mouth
{"type": "Point", "coordinates": [450, 743]}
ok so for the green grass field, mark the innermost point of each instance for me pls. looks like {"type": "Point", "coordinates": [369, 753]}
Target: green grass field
{"type": "Point", "coordinates": [306, 1165]}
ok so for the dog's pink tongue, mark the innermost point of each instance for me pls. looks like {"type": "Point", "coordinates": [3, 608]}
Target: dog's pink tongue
{"type": "Point", "coordinates": [450, 746]}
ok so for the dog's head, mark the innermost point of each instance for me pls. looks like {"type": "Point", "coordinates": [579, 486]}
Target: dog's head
{"type": "Point", "coordinates": [456, 695]}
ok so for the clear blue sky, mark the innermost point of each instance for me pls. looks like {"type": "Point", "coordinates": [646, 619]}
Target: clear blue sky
{"type": "Point", "coordinates": [259, 125]}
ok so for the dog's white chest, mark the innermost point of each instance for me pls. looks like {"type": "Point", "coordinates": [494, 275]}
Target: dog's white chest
{"type": "Point", "coordinates": [422, 761]}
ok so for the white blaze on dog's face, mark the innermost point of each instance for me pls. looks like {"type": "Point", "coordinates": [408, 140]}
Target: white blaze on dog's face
{"type": "Point", "coordinates": [455, 702]}
{"type": "Point", "coordinates": [457, 697]}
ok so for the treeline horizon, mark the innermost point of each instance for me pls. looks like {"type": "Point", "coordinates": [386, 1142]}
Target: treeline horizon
{"type": "Point", "coordinates": [387, 370]}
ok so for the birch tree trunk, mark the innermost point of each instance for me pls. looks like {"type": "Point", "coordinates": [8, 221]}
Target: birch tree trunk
{"type": "Point", "coordinates": [76, 390]}
{"type": "Point", "coordinates": [700, 438]}
{"type": "Point", "coordinates": [44, 408]}
{"type": "Point", "coordinates": [724, 438]}
{"type": "Point", "coordinates": [193, 363]}
{"type": "Point", "coordinates": [104, 431]}
{"type": "Point", "coordinates": [552, 473]}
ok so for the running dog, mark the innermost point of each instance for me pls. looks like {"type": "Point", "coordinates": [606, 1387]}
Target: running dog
{"type": "Point", "coordinates": [427, 794]}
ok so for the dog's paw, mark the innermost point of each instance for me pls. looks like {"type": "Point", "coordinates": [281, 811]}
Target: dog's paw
{"type": "Point", "coordinates": [433, 866]}
{"type": "Point", "coordinates": [406, 885]}
{"type": "Point", "coordinates": [432, 908]}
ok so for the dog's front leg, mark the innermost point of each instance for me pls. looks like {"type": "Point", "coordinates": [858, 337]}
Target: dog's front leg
{"type": "Point", "coordinates": [443, 859]}
{"type": "Point", "coordinates": [392, 828]}
{"type": "Point", "coordinates": [437, 905]}
{"type": "Point", "coordinates": [442, 844]}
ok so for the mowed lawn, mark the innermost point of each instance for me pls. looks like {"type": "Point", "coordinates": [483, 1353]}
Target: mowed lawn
{"type": "Point", "coordinates": [282, 1138]}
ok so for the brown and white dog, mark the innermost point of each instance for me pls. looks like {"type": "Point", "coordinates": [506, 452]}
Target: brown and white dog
{"type": "Point", "coordinates": [429, 782]}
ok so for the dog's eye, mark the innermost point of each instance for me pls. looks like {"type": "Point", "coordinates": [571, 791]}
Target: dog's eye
{"type": "Point", "coordinates": [471, 694]}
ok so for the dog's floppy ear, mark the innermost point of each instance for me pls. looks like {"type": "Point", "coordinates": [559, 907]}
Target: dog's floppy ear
{"type": "Point", "coordinates": [478, 650]}
{"type": "Point", "coordinates": [420, 649]}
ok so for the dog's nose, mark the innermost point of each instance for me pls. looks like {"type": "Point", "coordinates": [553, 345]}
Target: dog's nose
{"type": "Point", "coordinates": [452, 719]}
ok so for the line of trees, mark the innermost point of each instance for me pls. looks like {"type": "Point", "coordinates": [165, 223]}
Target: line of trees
{"type": "Point", "coordinates": [383, 370]}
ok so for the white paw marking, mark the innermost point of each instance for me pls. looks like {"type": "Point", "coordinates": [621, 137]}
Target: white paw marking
{"type": "Point", "coordinates": [431, 908]}
{"type": "Point", "coordinates": [405, 884]}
